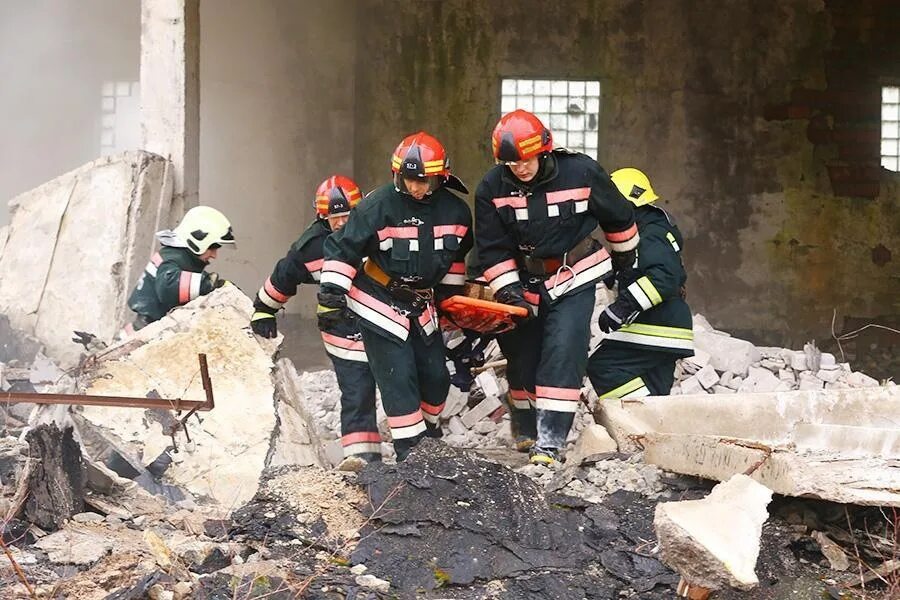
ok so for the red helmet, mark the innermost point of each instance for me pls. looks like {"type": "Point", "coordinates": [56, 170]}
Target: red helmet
{"type": "Point", "coordinates": [336, 196]}
{"type": "Point", "coordinates": [519, 135]}
{"type": "Point", "coordinates": [420, 156]}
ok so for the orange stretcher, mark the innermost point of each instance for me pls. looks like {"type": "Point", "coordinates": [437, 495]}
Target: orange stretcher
{"type": "Point", "coordinates": [479, 315]}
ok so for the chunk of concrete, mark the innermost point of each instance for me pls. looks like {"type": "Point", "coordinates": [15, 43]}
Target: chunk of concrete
{"type": "Point", "coordinates": [707, 377]}
{"type": "Point", "coordinates": [762, 380]}
{"type": "Point", "coordinates": [481, 411]}
{"type": "Point", "coordinates": [77, 245]}
{"type": "Point", "coordinates": [594, 439]}
{"type": "Point", "coordinates": [75, 547]}
{"type": "Point", "coordinates": [231, 444]}
{"type": "Point", "coordinates": [808, 381]}
{"type": "Point", "coordinates": [714, 542]}
{"type": "Point", "coordinates": [860, 380]}
{"type": "Point", "coordinates": [700, 358]}
{"type": "Point", "coordinates": [692, 385]}
{"type": "Point", "coordinates": [727, 353]}
{"type": "Point", "coordinates": [838, 445]}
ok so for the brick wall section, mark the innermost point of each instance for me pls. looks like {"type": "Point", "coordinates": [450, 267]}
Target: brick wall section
{"type": "Point", "coordinates": [847, 113]}
{"type": "Point", "coordinates": [864, 55]}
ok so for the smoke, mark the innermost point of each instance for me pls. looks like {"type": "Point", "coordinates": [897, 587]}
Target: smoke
{"type": "Point", "coordinates": [55, 56]}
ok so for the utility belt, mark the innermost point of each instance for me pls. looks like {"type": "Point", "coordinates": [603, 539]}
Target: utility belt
{"type": "Point", "coordinates": [543, 267]}
{"type": "Point", "coordinates": [399, 290]}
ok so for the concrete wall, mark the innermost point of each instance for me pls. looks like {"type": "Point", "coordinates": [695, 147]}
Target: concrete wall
{"type": "Point", "coordinates": [277, 101]}
{"type": "Point", "coordinates": [686, 85]}
{"type": "Point", "coordinates": [54, 57]}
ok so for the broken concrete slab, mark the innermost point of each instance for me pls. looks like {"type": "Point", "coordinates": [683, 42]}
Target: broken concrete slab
{"type": "Point", "coordinates": [296, 440]}
{"type": "Point", "coordinates": [839, 445]}
{"type": "Point", "coordinates": [230, 444]}
{"type": "Point", "coordinates": [727, 353]}
{"type": "Point", "coordinates": [714, 542]}
{"type": "Point", "coordinates": [481, 411]}
{"type": "Point", "coordinates": [73, 547]}
{"type": "Point", "coordinates": [103, 214]}
{"type": "Point", "coordinates": [594, 439]}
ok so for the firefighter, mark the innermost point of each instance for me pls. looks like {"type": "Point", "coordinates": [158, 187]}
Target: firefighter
{"type": "Point", "coordinates": [414, 234]}
{"type": "Point", "coordinates": [176, 274]}
{"type": "Point", "coordinates": [649, 325]}
{"type": "Point", "coordinates": [535, 213]}
{"type": "Point", "coordinates": [335, 197]}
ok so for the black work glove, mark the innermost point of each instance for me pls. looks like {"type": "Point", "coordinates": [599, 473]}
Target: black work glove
{"type": "Point", "coordinates": [623, 262]}
{"type": "Point", "coordinates": [263, 324]}
{"type": "Point", "coordinates": [621, 312]}
{"type": "Point", "coordinates": [330, 310]}
{"type": "Point", "coordinates": [217, 280]}
{"type": "Point", "coordinates": [514, 295]}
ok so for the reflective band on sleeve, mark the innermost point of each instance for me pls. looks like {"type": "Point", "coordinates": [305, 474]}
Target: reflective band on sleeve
{"type": "Point", "coordinates": [338, 273]}
{"type": "Point", "coordinates": [645, 293]}
{"type": "Point", "coordinates": [502, 274]}
{"type": "Point", "coordinates": [650, 290]}
{"type": "Point", "coordinates": [623, 241]}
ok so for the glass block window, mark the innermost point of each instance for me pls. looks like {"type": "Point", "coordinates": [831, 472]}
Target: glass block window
{"type": "Point", "coordinates": [890, 128]}
{"type": "Point", "coordinates": [120, 116]}
{"type": "Point", "coordinates": [571, 109]}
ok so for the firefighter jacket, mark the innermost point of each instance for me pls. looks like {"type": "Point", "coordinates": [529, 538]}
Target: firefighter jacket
{"type": "Point", "coordinates": [414, 249]}
{"type": "Point", "coordinates": [656, 288]}
{"type": "Point", "coordinates": [529, 231]}
{"type": "Point", "coordinates": [303, 264]}
{"type": "Point", "coordinates": [174, 276]}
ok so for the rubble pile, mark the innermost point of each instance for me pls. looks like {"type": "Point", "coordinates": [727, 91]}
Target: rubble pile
{"type": "Point", "coordinates": [599, 476]}
{"type": "Point", "coordinates": [225, 449]}
{"type": "Point", "coordinates": [726, 365]}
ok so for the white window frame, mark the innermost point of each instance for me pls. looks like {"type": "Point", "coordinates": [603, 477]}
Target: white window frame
{"type": "Point", "coordinates": [890, 127]}
{"type": "Point", "coordinates": [570, 108]}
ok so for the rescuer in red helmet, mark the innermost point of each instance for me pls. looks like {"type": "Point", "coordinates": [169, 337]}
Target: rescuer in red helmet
{"type": "Point", "coordinates": [536, 214]}
{"type": "Point", "coordinates": [414, 234]}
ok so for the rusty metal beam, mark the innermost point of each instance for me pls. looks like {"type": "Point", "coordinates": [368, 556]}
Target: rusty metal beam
{"type": "Point", "coordinates": [122, 401]}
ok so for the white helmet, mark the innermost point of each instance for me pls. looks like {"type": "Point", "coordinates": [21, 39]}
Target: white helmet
{"type": "Point", "coordinates": [203, 226]}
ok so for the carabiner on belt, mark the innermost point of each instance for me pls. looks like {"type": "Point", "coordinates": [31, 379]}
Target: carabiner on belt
{"type": "Point", "coordinates": [568, 282]}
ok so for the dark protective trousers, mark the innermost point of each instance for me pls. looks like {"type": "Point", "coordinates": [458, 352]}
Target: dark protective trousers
{"type": "Point", "coordinates": [413, 380]}
{"type": "Point", "coordinates": [546, 362]}
{"type": "Point", "coordinates": [359, 426]}
{"type": "Point", "coordinates": [620, 371]}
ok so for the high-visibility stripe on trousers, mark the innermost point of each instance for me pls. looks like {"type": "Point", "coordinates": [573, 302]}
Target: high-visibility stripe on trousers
{"type": "Point", "coordinates": [618, 371]}
{"type": "Point", "coordinates": [413, 379]}
{"type": "Point", "coordinates": [359, 427]}
{"type": "Point", "coordinates": [547, 357]}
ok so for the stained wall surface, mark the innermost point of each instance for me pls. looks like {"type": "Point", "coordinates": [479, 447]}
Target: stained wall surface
{"type": "Point", "coordinates": [704, 97]}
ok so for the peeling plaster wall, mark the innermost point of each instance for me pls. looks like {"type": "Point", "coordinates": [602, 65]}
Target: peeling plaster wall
{"type": "Point", "coordinates": [54, 58]}
{"type": "Point", "coordinates": [770, 249]}
{"type": "Point", "coordinates": [276, 118]}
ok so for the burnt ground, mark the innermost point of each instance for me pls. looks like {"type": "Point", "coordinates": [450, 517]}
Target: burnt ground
{"type": "Point", "coordinates": [447, 523]}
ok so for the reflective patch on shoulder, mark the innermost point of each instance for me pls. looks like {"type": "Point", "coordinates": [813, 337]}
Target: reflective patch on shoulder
{"type": "Point", "coordinates": [673, 241]}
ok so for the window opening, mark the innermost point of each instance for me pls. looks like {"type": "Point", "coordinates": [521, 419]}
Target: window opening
{"type": "Point", "coordinates": [571, 109]}
{"type": "Point", "coordinates": [890, 128]}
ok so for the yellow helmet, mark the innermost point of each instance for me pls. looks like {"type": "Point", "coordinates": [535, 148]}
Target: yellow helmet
{"type": "Point", "coordinates": [203, 226]}
{"type": "Point", "coordinates": [634, 185]}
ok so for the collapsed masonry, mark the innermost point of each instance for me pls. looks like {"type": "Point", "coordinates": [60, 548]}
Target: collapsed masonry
{"type": "Point", "coordinates": [75, 246]}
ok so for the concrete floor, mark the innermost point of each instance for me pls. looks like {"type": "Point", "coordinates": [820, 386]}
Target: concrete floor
{"type": "Point", "coordinates": [302, 343]}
